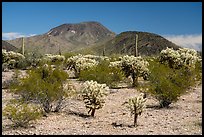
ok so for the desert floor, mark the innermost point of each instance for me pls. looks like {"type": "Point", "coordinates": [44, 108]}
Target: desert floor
{"type": "Point", "coordinates": [184, 117]}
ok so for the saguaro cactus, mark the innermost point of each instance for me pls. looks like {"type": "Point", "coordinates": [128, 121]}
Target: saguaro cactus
{"type": "Point", "coordinates": [23, 46]}
{"type": "Point", "coordinates": [136, 50]}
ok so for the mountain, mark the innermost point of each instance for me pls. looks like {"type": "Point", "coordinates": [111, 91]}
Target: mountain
{"type": "Point", "coordinates": [92, 37]}
{"type": "Point", "coordinates": [124, 43]}
{"type": "Point", "coordinates": [8, 47]}
{"type": "Point", "coordinates": [67, 37]}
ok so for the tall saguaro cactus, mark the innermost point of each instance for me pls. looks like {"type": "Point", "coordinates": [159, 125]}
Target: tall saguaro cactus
{"type": "Point", "coordinates": [104, 51]}
{"type": "Point", "coordinates": [23, 46]}
{"type": "Point", "coordinates": [136, 51]}
{"type": "Point", "coordinates": [60, 53]}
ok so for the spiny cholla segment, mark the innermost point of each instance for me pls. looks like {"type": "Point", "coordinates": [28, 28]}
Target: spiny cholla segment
{"type": "Point", "coordinates": [93, 94]}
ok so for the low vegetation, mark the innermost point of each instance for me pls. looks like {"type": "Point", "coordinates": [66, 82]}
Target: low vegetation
{"type": "Point", "coordinates": [103, 74]}
{"type": "Point", "coordinates": [21, 114]}
{"type": "Point", "coordinates": [167, 77]}
{"type": "Point", "coordinates": [48, 90]}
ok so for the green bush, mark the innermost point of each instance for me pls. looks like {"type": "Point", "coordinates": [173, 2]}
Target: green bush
{"type": "Point", "coordinates": [32, 59]}
{"type": "Point", "coordinates": [168, 84]}
{"type": "Point", "coordinates": [21, 114]}
{"type": "Point", "coordinates": [102, 73]}
{"type": "Point", "coordinates": [43, 85]}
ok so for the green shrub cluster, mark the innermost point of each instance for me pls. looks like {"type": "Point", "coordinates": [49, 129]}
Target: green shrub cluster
{"type": "Point", "coordinates": [21, 114]}
{"type": "Point", "coordinates": [102, 73]}
{"type": "Point", "coordinates": [32, 59]}
{"type": "Point", "coordinates": [168, 84]}
{"type": "Point", "coordinates": [43, 85]}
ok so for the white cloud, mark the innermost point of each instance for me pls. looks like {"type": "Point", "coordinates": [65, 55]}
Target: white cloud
{"type": "Point", "coordinates": [14, 35]}
{"type": "Point", "coordinates": [188, 41]}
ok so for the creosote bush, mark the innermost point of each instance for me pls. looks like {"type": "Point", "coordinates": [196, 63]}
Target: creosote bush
{"type": "Point", "coordinates": [21, 114]}
{"type": "Point", "coordinates": [31, 60]}
{"type": "Point", "coordinates": [168, 84]}
{"type": "Point", "coordinates": [45, 86]}
{"type": "Point", "coordinates": [103, 74]}
{"type": "Point", "coordinates": [93, 95]}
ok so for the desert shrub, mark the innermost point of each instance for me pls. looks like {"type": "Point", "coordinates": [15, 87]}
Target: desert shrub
{"type": "Point", "coordinates": [114, 57]}
{"type": "Point", "coordinates": [69, 54]}
{"type": "Point", "coordinates": [168, 84]}
{"type": "Point", "coordinates": [32, 59]}
{"type": "Point", "coordinates": [21, 114]}
{"type": "Point", "coordinates": [45, 86]}
{"type": "Point", "coordinates": [93, 95]}
{"type": "Point", "coordinates": [103, 74]}
{"type": "Point", "coordinates": [136, 106]}
{"type": "Point", "coordinates": [53, 59]}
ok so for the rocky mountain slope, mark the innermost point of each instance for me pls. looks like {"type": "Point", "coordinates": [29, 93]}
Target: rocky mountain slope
{"type": "Point", "coordinates": [67, 37]}
{"type": "Point", "coordinates": [93, 37]}
{"type": "Point", "coordinates": [124, 43]}
{"type": "Point", "coordinates": [8, 47]}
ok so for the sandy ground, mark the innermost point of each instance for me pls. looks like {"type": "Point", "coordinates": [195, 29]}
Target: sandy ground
{"type": "Point", "coordinates": [182, 118]}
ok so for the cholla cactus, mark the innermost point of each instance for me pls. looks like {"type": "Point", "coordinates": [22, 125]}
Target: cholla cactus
{"type": "Point", "coordinates": [97, 58]}
{"type": "Point", "coordinates": [54, 58]}
{"type": "Point", "coordinates": [116, 64]}
{"type": "Point", "coordinates": [178, 58]}
{"type": "Point", "coordinates": [136, 106]}
{"type": "Point", "coordinates": [132, 66]}
{"type": "Point", "coordinates": [11, 58]}
{"type": "Point", "coordinates": [93, 95]}
{"type": "Point", "coordinates": [80, 62]}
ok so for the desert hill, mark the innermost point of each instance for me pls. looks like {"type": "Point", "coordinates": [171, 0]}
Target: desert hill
{"type": "Point", "coordinates": [95, 38]}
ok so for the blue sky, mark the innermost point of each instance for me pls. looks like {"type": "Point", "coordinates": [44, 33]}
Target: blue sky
{"type": "Point", "coordinates": [172, 20]}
